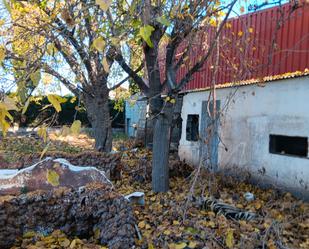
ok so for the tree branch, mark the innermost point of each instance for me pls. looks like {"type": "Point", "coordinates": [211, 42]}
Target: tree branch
{"type": "Point", "coordinates": [139, 81]}
{"type": "Point", "coordinates": [199, 64]}
{"type": "Point", "coordinates": [66, 82]}
{"type": "Point", "coordinates": [128, 77]}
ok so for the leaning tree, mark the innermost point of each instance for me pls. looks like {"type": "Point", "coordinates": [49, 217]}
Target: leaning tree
{"type": "Point", "coordinates": [66, 41]}
{"type": "Point", "coordinates": [165, 35]}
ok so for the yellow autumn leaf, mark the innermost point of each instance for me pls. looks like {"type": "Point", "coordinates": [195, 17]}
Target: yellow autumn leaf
{"type": "Point", "coordinates": [97, 233]}
{"type": "Point", "coordinates": [75, 127]}
{"type": "Point", "coordinates": [26, 106]}
{"type": "Point", "coordinates": [228, 25]}
{"type": "Point", "coordinates": [229, 240]}
{"type": "Point", "coordinates": [151, 246]}
{"type": "Point", "coordinates": [2, 54]}
{"type": "Point", "coordinates": [213, 22]}
{"type": "Point", "coordinates": [175, 222]}
{"type": "Point", "coordinates": [99, 44]}
{"type": "Point", "coordinates": [10, 104]}
{"type": "Point", "coordinates": [271, 244]}
{"type": "Point", "coordinates": [73, 100]}
{"type": "Point", "coordinates": [56, 101]}
{"type": "Point", "coordinates": [42, 132]}
{"type": "Point", "coordinates": [258, 205]}
{"type": "Point", "coordinates": [104, 4]}
{"type": "Point", "coordinates": [4, 116]}
{"type": "Point", "coordinates": [164, 21]}
{"type": "Point", "coordinates": [35, 77]}
{"type": "Point", "coordinates": [177, 246]}
{"type": "Point", "coordinates": [173, 101]}
{"type": "Point", "coordinates": [29, 234]}
{"type": "Point", "coordinates": [4, 125]}
{"type": "Point", "coordinates": [240, 33]}
{"type": "Point", "coordinates": [141, 224]}
{"type": "Point", "coordinates": [73, 244]}
{"type": "Point", "coordinates": [115, 41]}
{"type": "Point", "coordinates": [44, 151]}
{"type": "Point", "coordinates": [64, 243]}
{"type": "Point", "coordinates": [192, 244]}
{"type": "Point", "coordinates": [52, 178]}
{"type": "Point", "coordinates": [145, 32]}
{"type": "Point", "coordinates": [65, 131]}
{"type": "Point", "coordinates": [250, 30]}
{"type": "Point", "coordinates": [105, 65]}
{"type": "Point", "coordinates": [211, 224]}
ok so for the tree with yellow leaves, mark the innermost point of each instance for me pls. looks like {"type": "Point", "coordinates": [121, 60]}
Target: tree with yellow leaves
{"type": "Point", "coordinates": [64, 41]}
{"type": "Point", "coordinates": [163, 35]}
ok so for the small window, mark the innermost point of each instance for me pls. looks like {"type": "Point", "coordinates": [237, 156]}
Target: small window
{"type": "Point", "coordinates": [286, 145]}
{"type": "Point", "coordinates": [192, 128]}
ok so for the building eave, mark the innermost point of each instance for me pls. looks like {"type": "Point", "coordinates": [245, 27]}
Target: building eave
{"type": "Point", "coordinates": [260, 81]}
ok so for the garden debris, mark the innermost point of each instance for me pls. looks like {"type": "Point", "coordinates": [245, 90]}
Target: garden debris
{"type": "Point", "coordinates": [93, 211]}
{"type": "Point", "coordinates": [249, 196]}
{"type": "Point", "coordinates": [229, 211]}
{"type": "Point", "coordinates": [136, 198]}
{"type": "Point", "coordinates": [48, 174]}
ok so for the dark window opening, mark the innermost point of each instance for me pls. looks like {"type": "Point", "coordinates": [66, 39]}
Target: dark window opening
{"type": "Point", "coordinates": [286, 145]}
{"type": "Point", "coordinates": [192, 127]}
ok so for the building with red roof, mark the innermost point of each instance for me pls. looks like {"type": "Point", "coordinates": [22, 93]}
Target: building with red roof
{"type": "Point", "coordinates": [261, 78]}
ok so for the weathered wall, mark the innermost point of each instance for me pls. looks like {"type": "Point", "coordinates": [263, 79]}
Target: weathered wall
{"type": "Point", "coordinates": [250, 114]}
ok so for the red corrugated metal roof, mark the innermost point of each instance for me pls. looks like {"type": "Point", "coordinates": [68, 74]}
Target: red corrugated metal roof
{"type": "Point", "coordinates": [271, 42]}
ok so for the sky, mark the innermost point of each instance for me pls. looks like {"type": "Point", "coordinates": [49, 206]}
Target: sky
{"type": "Point", "coordinates": [241, 7]}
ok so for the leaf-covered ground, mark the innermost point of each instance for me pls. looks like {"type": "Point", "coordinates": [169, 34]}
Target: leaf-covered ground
{"type": "Point", "coordinates": [169, 221]}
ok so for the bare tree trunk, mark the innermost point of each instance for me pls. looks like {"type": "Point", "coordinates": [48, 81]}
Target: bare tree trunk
{"type": "Point", "coordinates": [102, 130]}
{"type": "Point", "coordinates": [97, 108]}
{"type": "Point", "coordinates": [161, 142]}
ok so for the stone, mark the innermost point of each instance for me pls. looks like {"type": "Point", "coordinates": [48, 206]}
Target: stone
{"type": "Point", "coordinates": [47, 175]}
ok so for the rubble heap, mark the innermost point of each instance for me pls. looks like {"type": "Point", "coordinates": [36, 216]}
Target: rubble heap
{"type": "Point", "coordinates": [94, 210]}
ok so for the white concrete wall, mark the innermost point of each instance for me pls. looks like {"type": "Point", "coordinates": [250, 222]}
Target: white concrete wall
{"type": "Point", "coordinates": [252, 114]}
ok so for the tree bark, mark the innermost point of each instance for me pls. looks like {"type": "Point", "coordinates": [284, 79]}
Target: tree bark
{"type": "Point", "coordinates": [97, 107]}
{"type": "Point", "coordinates": [161, 143]}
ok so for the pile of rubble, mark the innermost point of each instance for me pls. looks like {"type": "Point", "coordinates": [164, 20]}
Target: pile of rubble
{"type": "Point", "coordinates": [80, 201]}
{"type": "Point", "coordinates": [93, 210]}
